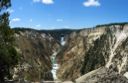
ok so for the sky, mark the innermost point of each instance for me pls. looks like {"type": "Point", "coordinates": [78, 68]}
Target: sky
{"type": "Point", "coordinates": [71, 14]}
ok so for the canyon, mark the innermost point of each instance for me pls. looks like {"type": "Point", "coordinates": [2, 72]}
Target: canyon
{"type": "Point", "coordinates": [90, 55]}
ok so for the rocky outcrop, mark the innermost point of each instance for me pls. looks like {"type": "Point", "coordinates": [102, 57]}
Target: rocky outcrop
{"type": "Point", "coordinates": [35, 50]}
{"type": "Point", "coordinates": [89, 49]}
{"type": "Point", "coordinates": [102, 75]}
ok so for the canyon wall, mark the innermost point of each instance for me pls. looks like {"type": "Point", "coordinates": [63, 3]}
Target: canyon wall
{"type": "Point", "coordinates": [35, 50]}
{"type": "Point", "coordinates": [89, 49]}
{"type": "Point", "coordinates": [98, 54]}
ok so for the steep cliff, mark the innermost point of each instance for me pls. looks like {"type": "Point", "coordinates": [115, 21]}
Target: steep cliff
{"type": "Point", "coordinates": [112, 46]}
{"type": "Point", "coordinates": [35, 50]}
{"type": "Point", "coordinates": [89, 49]}
{"type": "Point", "coordinates": [71, 57]}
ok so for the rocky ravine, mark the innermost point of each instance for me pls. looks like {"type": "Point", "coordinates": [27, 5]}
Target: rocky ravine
{"type": "Point", "coordinates": [95, 55]}
{"type": "Point", "coordinates": [35, 50]}
{"type": "Point", "coordinates": [104, 47]}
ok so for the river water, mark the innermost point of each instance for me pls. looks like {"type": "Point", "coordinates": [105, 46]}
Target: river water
{"type": "Point", "coordinates": [55, 65]}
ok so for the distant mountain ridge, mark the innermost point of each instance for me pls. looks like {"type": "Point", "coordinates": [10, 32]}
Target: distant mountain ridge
{"type": "Point", "coordinates": [57, 33]}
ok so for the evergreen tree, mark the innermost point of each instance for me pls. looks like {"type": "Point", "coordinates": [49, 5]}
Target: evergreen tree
{"type": "Point", "coordinates": [8, 54]}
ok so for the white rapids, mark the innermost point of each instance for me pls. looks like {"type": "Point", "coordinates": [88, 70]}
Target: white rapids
{"type": "Point", "coordinates": [55, 66]}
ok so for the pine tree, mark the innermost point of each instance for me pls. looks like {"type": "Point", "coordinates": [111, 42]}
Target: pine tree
{"type": "Point", "coordinates": [8, 54]}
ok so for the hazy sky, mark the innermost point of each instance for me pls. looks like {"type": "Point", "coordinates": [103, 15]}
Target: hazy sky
{"type": "Point", "coordinates": [51, 14]}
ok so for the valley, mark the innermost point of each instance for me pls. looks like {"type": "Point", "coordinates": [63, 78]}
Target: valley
{"type": "Point", "coordinates": [93, 55]}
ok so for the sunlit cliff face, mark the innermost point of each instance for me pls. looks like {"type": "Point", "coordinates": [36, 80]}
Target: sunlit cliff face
{"type": "Point", "coordinates": [91, 49]}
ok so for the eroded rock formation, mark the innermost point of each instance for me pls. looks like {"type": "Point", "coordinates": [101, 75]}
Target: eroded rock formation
{"type": "Point", "coordinates": [89, 49]}
{"type": "Point", "coordinates": [35, 50]}
{"type": "Point", "coordinates": [95, 55]}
